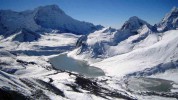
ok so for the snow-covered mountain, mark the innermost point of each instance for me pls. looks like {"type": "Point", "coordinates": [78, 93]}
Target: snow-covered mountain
{"type": "Point", "coordinates": [135, 33]}
{"type": "Point", "coordinates": [134, 23]}
{"type": "Point", "coordinates": [44, 18]}
{"type": "Point", "coordinates": [137, 45]}
{"type": "Point", "coordinates": [108, 42]}
{"type": "Point", "coordinates": [170, 21]}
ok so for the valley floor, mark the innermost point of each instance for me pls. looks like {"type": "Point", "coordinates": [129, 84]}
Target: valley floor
{"type": "Point", "coordinates": [26, 73]}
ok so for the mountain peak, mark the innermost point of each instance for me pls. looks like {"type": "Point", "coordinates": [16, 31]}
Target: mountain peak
{"type": "Point", "coordinates": [134, 23]}
{"type": "Point", "coordinates": [50, 8]}
{"type": "Point", "coordinates": [170, 21]}
{"type": "Point", "coordinates": [41, 19]}
{"type": "Point", "coordinates": [174, 9]}
{"type": "Point", "coordinates": [134, 18]}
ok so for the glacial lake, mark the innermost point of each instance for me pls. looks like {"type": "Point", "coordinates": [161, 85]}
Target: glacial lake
{"type": "Point", "coordinates": [63, 62]}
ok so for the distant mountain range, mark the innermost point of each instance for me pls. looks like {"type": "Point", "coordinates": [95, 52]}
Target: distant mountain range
{"type": "Point", "coordinates": [51, 17]}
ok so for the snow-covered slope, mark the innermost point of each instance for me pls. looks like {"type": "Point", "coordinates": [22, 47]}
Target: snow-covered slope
{"type": "Point", "coordinates": [162, 52]}
{"type": "Point", "coordinates": [170, 21]}
{"type": "Point", "coordinates": [43, 18]}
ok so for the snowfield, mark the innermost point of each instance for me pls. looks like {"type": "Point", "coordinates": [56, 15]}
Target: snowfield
{"type": "Point", "coordinates": [48, 41]}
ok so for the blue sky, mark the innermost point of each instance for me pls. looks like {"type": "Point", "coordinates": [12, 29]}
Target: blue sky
{"type": "Point", "coordinates": [105, 12]}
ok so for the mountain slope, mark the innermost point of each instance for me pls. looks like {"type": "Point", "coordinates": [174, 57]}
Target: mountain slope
{"type": "Point", "coordinates": [44, 18]}
{"type": "Point", "coordinates": [162, 52]}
